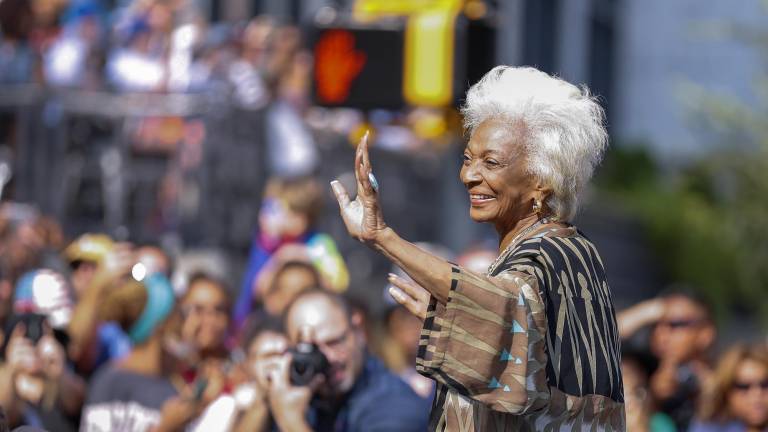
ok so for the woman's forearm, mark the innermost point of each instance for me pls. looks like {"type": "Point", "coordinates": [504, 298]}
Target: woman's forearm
{"type": "Point", "coordinates": [429, 271]}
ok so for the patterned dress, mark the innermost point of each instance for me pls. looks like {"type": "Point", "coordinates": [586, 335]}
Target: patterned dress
{"type": "Point", "coordinates": [531, 346]}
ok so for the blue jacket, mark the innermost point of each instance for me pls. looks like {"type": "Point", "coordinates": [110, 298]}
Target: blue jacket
{"type": "Point", "coordinates": [379, 401]}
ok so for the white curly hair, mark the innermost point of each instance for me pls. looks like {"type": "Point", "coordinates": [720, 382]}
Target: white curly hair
{"type": "Point", "coordinates": [565, 136]}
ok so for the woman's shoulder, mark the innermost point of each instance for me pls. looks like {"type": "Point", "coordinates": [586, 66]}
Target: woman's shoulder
{"type": "Point", "coordinates": [566, 238]}
{"type": "Point", "coordinates": [557, 248]}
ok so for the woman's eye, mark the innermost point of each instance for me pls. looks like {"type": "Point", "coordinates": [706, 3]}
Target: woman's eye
{"type": "Point", "coordinates": [465, 159]}
{"type": "Point", "coordinates": [491, 162]}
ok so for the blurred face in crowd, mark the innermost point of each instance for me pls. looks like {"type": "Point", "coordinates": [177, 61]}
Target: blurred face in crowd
{"type": "Point", "coordinates": [684, 333]}
{"type": "Point", "coordinates": [748, 397]}
{"type": "Point", "coordinates": [160, 17]}
{"type": "Point", "coordinates": [264, 355]}
{"type": "Point", "coordinates": [319, 319]}
{"type": "Point", "coordinates": [82, 275]}
{"type": "Point", "coordinates": [206, 315]}
{"type": "Point", "coordinates": [291, 280]}
{"type": "Point", "coordinates": [6, 293]}
{"type": "Point", "coordinates": [494, 172]}
{"type": "Point", "coordinates": [154, 260]}
{"type": "Point", "coordinates": [34, 361]}
{"type": "Point", "coordinates": [405, 329]}
{"type": "Point", "coordinates": [635, 393]}
{"type": "Point", "coordinates": [277, 220]}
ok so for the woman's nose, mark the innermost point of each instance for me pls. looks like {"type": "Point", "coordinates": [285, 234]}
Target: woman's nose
{"type": "Point", "coordinates": [469, 174]}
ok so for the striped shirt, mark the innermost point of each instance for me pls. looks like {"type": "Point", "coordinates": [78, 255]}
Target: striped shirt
{"type": "Point", "coordinates": [532, 346]}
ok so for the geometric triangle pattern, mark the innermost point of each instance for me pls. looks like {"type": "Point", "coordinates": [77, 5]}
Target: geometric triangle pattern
{"type": "Point", "coordinates": [516, 327]}
{"type": "Point", "coordinates": [506, 356]}
{"type": "Point", "coordinates": [494, 384]}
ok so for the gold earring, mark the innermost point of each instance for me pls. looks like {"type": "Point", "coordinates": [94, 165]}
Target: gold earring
{"type": "Point", "coordinates": [537, 206]}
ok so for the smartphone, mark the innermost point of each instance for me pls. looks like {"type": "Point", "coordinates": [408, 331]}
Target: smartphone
{"type": "Point", "coordinates": [199, 388]}
{"type": "Point", "coordinates": [34, 324]}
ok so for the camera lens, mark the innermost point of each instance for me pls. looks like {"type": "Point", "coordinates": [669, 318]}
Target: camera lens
{"type": "Point", "coordinates": [308, 362]}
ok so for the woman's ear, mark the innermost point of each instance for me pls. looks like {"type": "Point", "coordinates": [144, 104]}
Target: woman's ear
{"type": "Point", "coordinates": [541, 192]}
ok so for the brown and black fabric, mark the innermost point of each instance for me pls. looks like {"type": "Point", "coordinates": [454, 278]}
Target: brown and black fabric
{"type": "Point", "coordinates": [532, 346]}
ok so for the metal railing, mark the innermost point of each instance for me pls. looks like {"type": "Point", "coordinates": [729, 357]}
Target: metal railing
{"type": "Point", "coordinates": [75, 157]}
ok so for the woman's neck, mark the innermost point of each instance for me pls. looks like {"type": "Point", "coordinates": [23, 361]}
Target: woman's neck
{"type": "Point", "coordinates": [508, 233]}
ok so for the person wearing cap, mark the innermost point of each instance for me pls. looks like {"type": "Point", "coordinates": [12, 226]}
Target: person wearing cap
{"type": "Point", "coordinates": [145, 390]}
{"type": "Point", "coordinates": [97, 263]}
{"type": "Point", "coordinates": [84, 255]}
{"type": "Point", "coordinates": [37, 383]}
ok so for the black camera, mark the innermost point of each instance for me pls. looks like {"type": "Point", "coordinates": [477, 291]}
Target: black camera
{"type": "Point", "coordinates": [308, 362]}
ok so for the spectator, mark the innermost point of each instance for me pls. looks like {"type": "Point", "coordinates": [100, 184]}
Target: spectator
{"type": "Point", "coordinates": [636, 368]}
{"type": "Point", "coordinates": [73, 60]}
{"type": "Point", "coordinates": [154, 260]}
{"type": "Point", "coordinates": [17, 59]}
{"type": "Point", "coordinates": [266, 346]}
{"type": "Point", "coordinates": [737, 400]}
{"type": "Point", "coordinates": [247, 73]}
{"type": "Point", "coordinates": [357, 393]}
{"type": "Point", "coordinates": [37, 386]}
{"type": "Point", "coordinates": [289, 213]}
{"type": "Point", "coordinates": [84, 255]}
{"type": "Point", "coordinates": [44, 292]}
{"type": "Point", "coordinates": [23, 239]}
{"type": "Point", "coordinates": [682, 335]}
{"type": "Point", "coordinates": [289, 275]}
{"type": "Point", "coordinates": [142, 64]}
{"type": "Point", "coordinates": [145, 390]}
{"type": "Point", "coordinates": [6, 294]}
{"type": "Point", "coordinates": [205, 317]}
{"type": "Point", "coordinates": [403, 332]}
{"type": "Point", "coordinates": [97, 265]}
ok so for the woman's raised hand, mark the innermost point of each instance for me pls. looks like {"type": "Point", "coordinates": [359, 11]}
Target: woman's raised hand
{"type": "Point", "coordinates": [362, 216]}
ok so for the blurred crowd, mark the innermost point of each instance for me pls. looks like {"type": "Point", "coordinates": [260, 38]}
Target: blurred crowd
{"type": "Point", "coordinates": [96, 337]}
{"type": "Point", "coordinates": [145, 45]}
{"type": "Point", "coordinates": [100, 334]}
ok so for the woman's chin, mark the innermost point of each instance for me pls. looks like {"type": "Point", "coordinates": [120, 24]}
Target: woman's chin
{"type": "Point", "coordinates": [480, 216]}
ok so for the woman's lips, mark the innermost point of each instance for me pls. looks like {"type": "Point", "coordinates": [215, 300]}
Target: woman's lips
{"type": "Point", "coordinates": [480, 199]}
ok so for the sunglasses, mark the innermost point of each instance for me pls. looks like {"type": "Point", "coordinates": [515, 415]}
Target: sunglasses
{"type": "Point", "coordinates": [680, 324]}
{"type": "Point", "coordinates": [746, 386]}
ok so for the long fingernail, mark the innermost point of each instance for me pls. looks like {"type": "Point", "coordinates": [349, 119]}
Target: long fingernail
{"type": "Point", "coordinates": [395, 292]}
{"type": "Point", "coordinates": [367, 132]}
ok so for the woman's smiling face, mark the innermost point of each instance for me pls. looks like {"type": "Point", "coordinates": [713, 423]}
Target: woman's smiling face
{"type": "Point", "coordinates": [501, 190]}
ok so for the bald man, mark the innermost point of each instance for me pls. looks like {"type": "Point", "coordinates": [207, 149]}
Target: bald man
{"type": "Point", "coordinates": [357, 393]}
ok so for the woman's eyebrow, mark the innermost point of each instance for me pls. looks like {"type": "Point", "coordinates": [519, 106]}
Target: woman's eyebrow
{"type": "Point", "coordinates": [492, 152]}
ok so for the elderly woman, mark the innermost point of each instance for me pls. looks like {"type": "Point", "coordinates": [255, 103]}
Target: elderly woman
{"type": "Point", "coordinates": [531, 345]}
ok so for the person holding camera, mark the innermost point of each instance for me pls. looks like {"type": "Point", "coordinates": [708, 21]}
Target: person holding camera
{"type": "Point", "coordinates": [329, 382]}
{"type": "Point", "coordinates": [36, 385]}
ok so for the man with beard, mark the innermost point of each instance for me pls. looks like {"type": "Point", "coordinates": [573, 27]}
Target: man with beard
{"type": "Point", "coordinates": [356, 392]}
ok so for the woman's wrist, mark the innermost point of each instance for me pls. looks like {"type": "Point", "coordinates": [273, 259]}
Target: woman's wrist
{"type": "Point", "coordinates": [385, 240]}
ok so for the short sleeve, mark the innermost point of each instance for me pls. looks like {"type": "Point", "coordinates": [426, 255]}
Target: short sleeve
{"type": "Point", "coordinates": [487, 341]}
